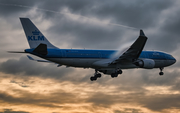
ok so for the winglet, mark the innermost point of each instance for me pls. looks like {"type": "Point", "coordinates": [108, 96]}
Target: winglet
{"type": "Point", "coordinates": [142, 33]}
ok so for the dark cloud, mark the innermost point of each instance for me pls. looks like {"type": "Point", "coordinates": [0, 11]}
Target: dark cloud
{"type": "Point", "coordinates": [10, 10]}
{"type": "Point", "coordinates": [157, 102]}
{"type": "Point", "coordinates": [160, 102]}
{"type": "Point", "coordinates": [12, 111]}
{"type": "Point", "coordinates": [128, 110]}
{"type": "Point", "coordinates": [170, 31]}
{"type": "Point", "coordinates": [24, 66]}
{"type": "Point", "coordinates": [36, 99]}
{"type": "Point", "coordinates": [76, 34]}
{"type": "Point", "coordinates": [19, 83]}
{"type": "Point", "coordinates": [139, 14]}
{"type": "Point", "coordinates": [79, 34]}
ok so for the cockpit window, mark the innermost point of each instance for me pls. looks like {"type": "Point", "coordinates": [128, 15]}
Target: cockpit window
{"type": "Point", "coordinates": [169, 57]}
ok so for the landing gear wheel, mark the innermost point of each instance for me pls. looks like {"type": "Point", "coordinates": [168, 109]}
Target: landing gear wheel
{"type": "Point", "coordinates": [114, 75]}
{"type": "Point", "coordinates": [161, 73]}
{"type": "Point", "coordinates": [98, 75]}
{"type": "Point", "coordinates": [120, 72]}
{"type": "Point", "coordinates": [93, 78]}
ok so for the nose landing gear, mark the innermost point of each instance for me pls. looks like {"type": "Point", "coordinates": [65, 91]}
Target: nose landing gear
{"type": "Point", "coordinates": [161, 73]}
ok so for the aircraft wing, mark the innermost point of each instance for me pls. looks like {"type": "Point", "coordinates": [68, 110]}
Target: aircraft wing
{"type": "Point", "coordinates": [134, 51]}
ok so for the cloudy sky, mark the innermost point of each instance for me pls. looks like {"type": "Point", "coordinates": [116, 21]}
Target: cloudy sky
{"type": "Point", "coordinates": [31, 87]}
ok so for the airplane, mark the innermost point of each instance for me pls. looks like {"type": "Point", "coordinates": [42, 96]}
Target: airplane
{"type": "Point", "coordinates": [102, 61]}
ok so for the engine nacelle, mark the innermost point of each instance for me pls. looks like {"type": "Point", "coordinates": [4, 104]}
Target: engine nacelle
{"type": "Point", "coordinates": [146, 63]}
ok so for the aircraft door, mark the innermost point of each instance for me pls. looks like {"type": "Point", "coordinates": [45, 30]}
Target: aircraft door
{"type": "Point", "coordinates": [63, 52]}
{"type": "Point", "coordinates": [100, 55]}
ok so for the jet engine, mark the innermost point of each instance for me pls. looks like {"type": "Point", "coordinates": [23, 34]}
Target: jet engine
{"type": "Point", "coordinates": [145, 63]}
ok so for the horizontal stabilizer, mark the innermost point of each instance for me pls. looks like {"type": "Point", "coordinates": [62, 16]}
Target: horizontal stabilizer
{"type": "Point", "coordinates": [16, 52]}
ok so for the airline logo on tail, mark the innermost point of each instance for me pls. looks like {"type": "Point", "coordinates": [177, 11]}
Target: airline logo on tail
{"type": "Point", "coordinates": [35, 36]}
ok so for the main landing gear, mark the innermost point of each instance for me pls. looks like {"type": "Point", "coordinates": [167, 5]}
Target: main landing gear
{"type": "Point", "coordinates": [96, 75]}
{"type": "Point", "coordinates": [113, 74]}
{"type": "Point", "coordinates": [161, 73]}
{"type": "Point", "coordinates": [119, 71]}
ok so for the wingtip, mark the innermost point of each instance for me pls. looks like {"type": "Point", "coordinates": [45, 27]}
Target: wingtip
{"type": "Point", "coordinates": [23, 18]}
{"type": "Point", "coordinates": [142, 33]}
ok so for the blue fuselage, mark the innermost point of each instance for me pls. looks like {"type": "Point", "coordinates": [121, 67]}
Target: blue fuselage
{"type": "Point", "coordinates": [86, 58]}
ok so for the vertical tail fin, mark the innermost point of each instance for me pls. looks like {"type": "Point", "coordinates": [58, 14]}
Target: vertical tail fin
{"type": "Point", "coordinates": [33, 35]}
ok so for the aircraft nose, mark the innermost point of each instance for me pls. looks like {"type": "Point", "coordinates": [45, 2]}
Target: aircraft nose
{"type": "Point", "coordinates": [174, 61]}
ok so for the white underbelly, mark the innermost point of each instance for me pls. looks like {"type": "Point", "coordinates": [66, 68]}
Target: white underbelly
{"type": "Point", "coordinates": [75, 62]}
